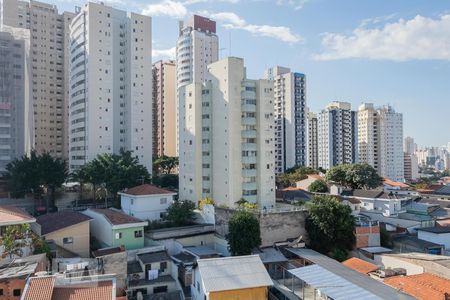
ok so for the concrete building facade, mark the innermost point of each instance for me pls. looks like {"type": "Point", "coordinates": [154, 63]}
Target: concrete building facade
{"type": "Point", "coordinates": [110, 84]}
{"type": "Point", "coordinates": [197, 47]}
{"type": "Point", "coordinates": [411, 167]}
{"type": "Point", "coordinates": [380, 140]}
{"type": "Point", "coordinates": [164, 108]}
{"type": "Point", "coordinates": [336, 133]}
{"type": "Point", "coordinates": [49, 72]}
{"type": "Point", "coordinates": [226, 137]}
{"type": "Point", "coordinates": [409, 146]}
{"type": "Point", "coordinates": [16, 111]}
{"type": "Point", "coordinates": [312, 141]}
{"type": "Point", "coordinates": [290, 118]}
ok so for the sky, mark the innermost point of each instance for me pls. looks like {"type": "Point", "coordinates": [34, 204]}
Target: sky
{"type": "Point", "coordinates": [377, 51]}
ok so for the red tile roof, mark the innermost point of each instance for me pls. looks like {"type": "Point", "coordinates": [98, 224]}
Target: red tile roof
{"type": "Point", "coordinates": [390, 182]}
{"type": "Point", "coordinates": [116, 217]}
{"type": "Point", "coordinates": [40, 288]}
{"type": "Point", "coordinates": [146, 189]}
{"type": "Point", "coordinates": [60, 220]}
{"type": "Point", "coordinates": [90, 291]}
{"type": "Point", "coordinates": [424, 286]}
{"type": "Point", "coordinates": [360, 265]}
{"type": "Point", "coordinates": [14, 215]}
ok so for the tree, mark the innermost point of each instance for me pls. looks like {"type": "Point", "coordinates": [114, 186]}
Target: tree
{"type": "Point", "coordinates": [355, 176]}
{"type": "Point", "coordinates": [318, 186]}
{"type": "Point", "coordinates": [330, 225]}
{"type": "Point", "coordinates": [181, 212]}
{"type": "Point", "coordinates": [165, 164]}
{"type": "Point", "coordinates": [14, 239]}
{"type": "Point", "coordinates": [244, 233]}
{"type": "Point", "coordinates": [166, 181]}
{"type": "Point", "coordinates": [204, 201]}
{"type": "Point", "coordinates": [292, 175]}
{"type": "Point", "coordinates": [36, 173]}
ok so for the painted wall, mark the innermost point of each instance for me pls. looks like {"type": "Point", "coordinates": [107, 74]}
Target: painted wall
{"type": "Point", "coordinates": [244, 294]}
{"type": "Point", "coordinates": [128, 238]}
{"type": "Point", "coordinates": [441, 239]}
{"type": "Point", "coordinates": [146, 208]}
{"type": "Point", "coordinates": [101, 229]}
{"type": "Point", "coordinates": [393, 262]}
{"type": "Point", "coordinates": [80, 235]}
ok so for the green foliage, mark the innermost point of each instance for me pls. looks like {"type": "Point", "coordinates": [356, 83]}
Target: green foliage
{"type": "Point", "coordinates": [166, 181]}
{"type": "Point", "coordinates": [164, 164]}
{"type": "Point", "coordinates": [15, 238]}
{"type": "Point", "coordinates": [41, 246]}
{"type": "Point", "coordinates": [339, 254]}
{"type": "Point", "coordinates": [204, 201]}
{"type": "Point", "coordinates": [32, 173]}
{"type": "Point", "coordinates": [385, 238]}
{"type": "Point", "coordinates": [355, 176]}
{"type": "Point", "coordinates": [244, 233]}
{"type": "Point", "coordinates": [242, 203]}
{"type": "Point", "coordinates": [292, 175]}
{"type": "Point", "coordinates": [181, 212]}
{"type": "Point", "coordinates": [330, 225]}
{"type": "Point", "coordinates": [318, 186]}
{"type": "Point", "coordinates": [114, 172]}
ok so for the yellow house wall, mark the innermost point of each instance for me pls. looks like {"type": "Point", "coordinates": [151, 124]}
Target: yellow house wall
{"type": "Point", "coordinates": [80, 235]}
{"type": "Point", "coordinates": [244, 294]}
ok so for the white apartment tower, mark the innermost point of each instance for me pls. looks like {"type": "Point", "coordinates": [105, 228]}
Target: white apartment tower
{"type": "Point", "coordinates": [312, 142]}
{"type": "Point", "coordinates": [48, 43]}
{"type": "Point", "coordinates": [409, 146]}
{"type": "Point", "coordinates": [380, 140]}
{"type": "Point", "coordinates": [197, 47]}
{"type": "Point", "coordinates": [290, 118]}
{"type": "Point", "coordinates": [110, 84]}
{"type": "Point", "coordinates": [16, 114]}
{"type": "Point", "coordinates": [336, 135]}
{"type": "Point", "coordinates": [226, 137]}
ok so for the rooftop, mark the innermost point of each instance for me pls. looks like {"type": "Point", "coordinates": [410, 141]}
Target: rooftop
{"type": "Point", "coordinates": [20, 267]}
{"type": "Point", "coordinates": [202, 251]}
{"type": "Point", "coordinates": [393, 183]}
{"type": "Point", "coordinates": [424, 286]}
{"type": "Point", "coordinates": [108, 251]}
{"type": "Point", "coordinates": [437, 230]}
{"type": "Point", "coordinates": [365, 282]}
{"type": "Point", "coordinates": [271, 255]}
{"type": "Point", "coordinates": [233, 273]}
{"type": "Point", "coordinates": [151, 257]}
{"type": "Point", "coordinates": [376, 249]}
{"type": "Point", "coordinates": [360, 265]}
{"type": "Point", "coordinates": [60, 220]}
{"type": "Point", "coordinates": [372, 194]}
{"type": "Point", "coordinates": [116, 217]}
{"type": "Point", "coordinates": [12, 215]}
{"type": "Point", "coordinates": [159, 279]}
{"type": "Point", "coordinates": [414, 242]}
{"type": "Point", "coordinates": [147, 189]}
{"type": "Point", "coordinates": [134, 267]}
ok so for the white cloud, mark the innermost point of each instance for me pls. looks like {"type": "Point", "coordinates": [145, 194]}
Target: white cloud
{"type": "Point", "coordinates": [233, 21]}
{"type": "Point", "coordinates": [419, 38]}
{"type": "Point", "coordinates": [164, 53]}
{"type": "Point", "coordinates": [296, 4]}
{"type": "Point", "coordinates": [166, 8]}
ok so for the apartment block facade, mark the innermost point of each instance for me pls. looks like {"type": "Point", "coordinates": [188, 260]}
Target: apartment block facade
{"type": "Point", "coordinates": [49, 72]}
{"type": "Point", "coordinates": [380, 140]}
{"type": "Point", "coordinates": [336, 135]}
{"type": "Point", "coordinates": [312, 141]}
{"type": "Point", "coordinates": [227, 137]}
{"type": "Point", "coordinates": [110, 84]}
{"type": "Point", "coordinates": [290, 118]}
{"type": "Point", "coordinates": [16, 118]}
{"type": "Point", "coordinates": [164, 108]}
{"type": "Point", "coordinates": [197, 47]}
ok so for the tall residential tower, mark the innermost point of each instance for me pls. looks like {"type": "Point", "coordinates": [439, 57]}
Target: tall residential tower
{"type": "Point", "coordinates": [226, 137]}
{"type": "Point", "coordinates": [110, 84]}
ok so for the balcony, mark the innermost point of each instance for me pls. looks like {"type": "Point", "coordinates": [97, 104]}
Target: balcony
{"type": "Point", "coordinates": [249, 186]}
{"type": "Point", "coordinates": [248, 133]}
{"type": "Point", "coordinates": [249, 159]}
{"type": "Point", "coordinates": [248, 121]}
{"type": "Point", "coordinates": [248, 172]}
{"type": "Point", "coordinates": [248, 146]}
{"type": "Point", "coordinates": [248, 107]}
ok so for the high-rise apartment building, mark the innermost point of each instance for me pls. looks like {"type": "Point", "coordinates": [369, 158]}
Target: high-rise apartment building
{"type": "Point", "coordinates": [164, 108]}
{"type": "Point", "coordinates": [380, 140]}
{"type": "Point", "coordinates": [49, 72]}
{"type": "Point", "coordinates": [226, 137]}
{"type": "Point", "coordinates": [409, 146]}
{"type": "Point", "coordinates": [197, 47]}
{"type": "Point", "coordinates": [290, 118]}
{"type": "Point", "coordinates": [336, 131]}
{"type": "Point", "coordinates": [16, 128]}
{"type": "Point", "coordinates": [110, 84]}
{"type": "Point", "coordinates": [312, 142]}
{"type": "Point", "coordinates": [411, 167]}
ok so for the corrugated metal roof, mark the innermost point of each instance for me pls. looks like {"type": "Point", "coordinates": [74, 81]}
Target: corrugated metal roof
{"type": "Point", "coordinates": [233, 273]}
{"type": "Point", "coordinates": [331, 284]}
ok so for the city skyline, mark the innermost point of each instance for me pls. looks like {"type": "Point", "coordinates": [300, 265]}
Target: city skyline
{"type": "Point", "coordinates": [309, 36]}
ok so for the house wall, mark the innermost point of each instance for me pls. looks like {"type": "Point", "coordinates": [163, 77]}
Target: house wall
{"type": "Point", "coordinates": [9, 286]}
{"type": "Point", "coordinates": [128, 240]}
{"type": "Point", "coordinates": [80, 235]}
{"type": "Point", "coordinates": [145, 208]}
{"type": "Point", "coordinates": [101, 229]}
{"type": "Point", "coordinates": [244, 294]}
{"type": "Point", "coordinates": [441, 239]}
{"type": "Point", "coordinates": [116, 264]}
{"type": "Point", "coordinates": [367, 236]}
{"type": "Point", "coordinates": [393, 262]}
